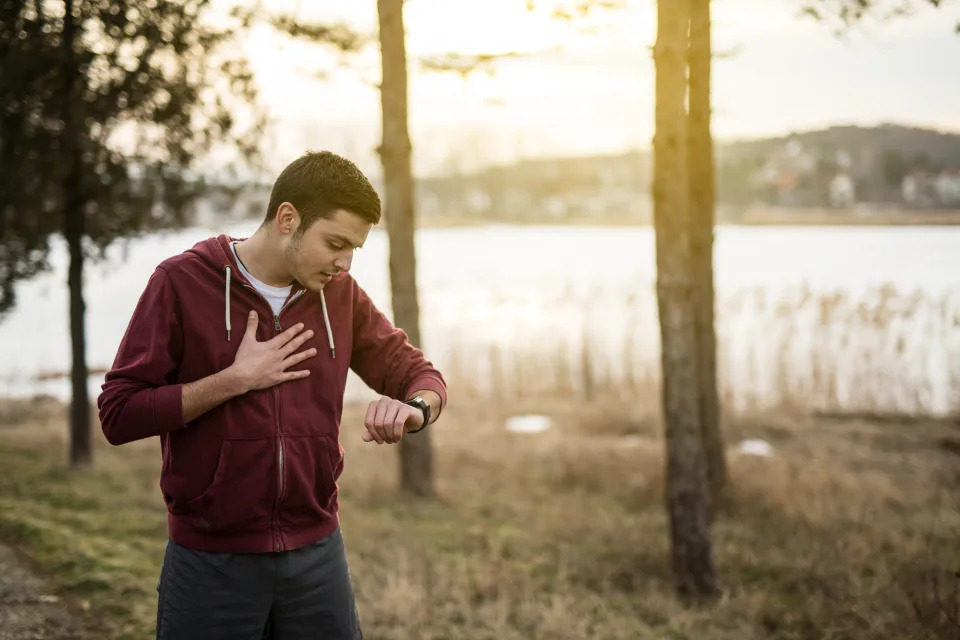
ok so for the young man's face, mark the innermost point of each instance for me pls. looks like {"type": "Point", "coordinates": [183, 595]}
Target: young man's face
{"type": "Point", "coordinates": [325, 249]}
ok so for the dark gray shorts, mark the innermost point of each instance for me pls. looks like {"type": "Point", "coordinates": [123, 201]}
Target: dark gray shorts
{"type": "Point", "coordinates": [304, 594]}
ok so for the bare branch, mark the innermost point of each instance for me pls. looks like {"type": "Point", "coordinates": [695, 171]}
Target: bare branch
{"type": "Point", "coordinates": [340, 36]}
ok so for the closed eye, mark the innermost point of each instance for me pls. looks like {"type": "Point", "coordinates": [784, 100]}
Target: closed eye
{"type": "Point", "coordinates": [336, 243]}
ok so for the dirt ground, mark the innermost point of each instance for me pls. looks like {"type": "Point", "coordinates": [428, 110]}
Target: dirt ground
{"type": "Point", "coordinates": [28, 611]}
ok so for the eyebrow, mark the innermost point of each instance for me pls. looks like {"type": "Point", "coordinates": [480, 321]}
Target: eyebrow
{"type": "Point", "coordinates": [344, 239]}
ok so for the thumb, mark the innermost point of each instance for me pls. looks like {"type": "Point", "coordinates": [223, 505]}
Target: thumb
{"type": "Point", "coordinates": [251, 325]}
{"type": "Point", "coordinates": [367, 436]}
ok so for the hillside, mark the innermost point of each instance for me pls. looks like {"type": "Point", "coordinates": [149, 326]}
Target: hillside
{"type": "Point", "coordinates": [841, 168]}
{"type": "Point", "coordinates": [939, 148]}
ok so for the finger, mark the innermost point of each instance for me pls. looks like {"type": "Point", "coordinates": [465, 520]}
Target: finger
{"type": "Point", "coordinates": [252, 322]}
{"type": "Point", "coordinates": [370, 421]}
{"type": "Point", "coordinates": [296, 343]}
{"type": "Point", "coordinates": [295, 375]}
{"type": "Point", "coordinates": [390, 421]}
{"type": "Point", "coordinates": [297, 358]}
{"type": "Point", "coordinates": [381, 419]}
{"type": "Point", "coordinates": [367, 436]}
{"type": "Point", "coordinates": [283, 338]}
{"type": "Point", "coordinates": [379, 424]}
{"type": "Point", "coordinates": [371, 413]}
{"type": "Point", "coordinates": [398, 426]}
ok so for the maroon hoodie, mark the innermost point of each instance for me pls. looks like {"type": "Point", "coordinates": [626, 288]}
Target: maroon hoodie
{"type": "Point", "coordinates": [259, 472]}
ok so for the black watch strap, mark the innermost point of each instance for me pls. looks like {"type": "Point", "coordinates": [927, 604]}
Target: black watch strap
{"type": "Point", "coordinates": [421, 404]}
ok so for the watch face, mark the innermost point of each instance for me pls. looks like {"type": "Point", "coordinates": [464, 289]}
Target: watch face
{"type": "Point", "coordinates": [422, 405]}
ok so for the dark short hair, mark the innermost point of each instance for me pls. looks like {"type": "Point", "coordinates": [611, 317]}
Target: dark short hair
{"type": "Point", "coordinates": [319, 183]}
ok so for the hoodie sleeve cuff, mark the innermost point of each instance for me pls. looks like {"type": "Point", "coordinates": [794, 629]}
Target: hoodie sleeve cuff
{"type": "Point", "coordinates": [168, 408]}
{"type": "Point", "coordinates": [429, 383]}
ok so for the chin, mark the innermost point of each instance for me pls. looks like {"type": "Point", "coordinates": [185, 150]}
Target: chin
{"type": "Point", "coordinates": [313, 283]}
{"type": "Point", "coordinates": [314, 286]}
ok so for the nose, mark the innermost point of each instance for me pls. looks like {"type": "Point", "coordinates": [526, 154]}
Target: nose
{"type": "Point", "coordinates": [343, 262]}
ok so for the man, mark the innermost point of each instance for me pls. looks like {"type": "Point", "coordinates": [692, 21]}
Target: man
{"type": "Point", "coordinates": [249, 418]}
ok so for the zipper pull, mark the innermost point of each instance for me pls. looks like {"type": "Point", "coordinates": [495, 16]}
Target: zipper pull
{"type": "Point", "coordinates": [276, 322]}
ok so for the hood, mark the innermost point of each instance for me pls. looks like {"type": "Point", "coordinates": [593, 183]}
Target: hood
{"type": "Point", "coordinates": [217, 253]}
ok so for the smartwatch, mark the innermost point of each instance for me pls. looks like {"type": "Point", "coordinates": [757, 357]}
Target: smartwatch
{"type": "Point", "coordinates": [421, 404]}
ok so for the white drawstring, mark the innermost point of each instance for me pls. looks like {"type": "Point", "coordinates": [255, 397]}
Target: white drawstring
{"type": "Point", "coordinates": [326, 322]}
{"type": "Point", "coordinates": [226, 310]}
{"type": "Point", "coordinates": [323, 304]}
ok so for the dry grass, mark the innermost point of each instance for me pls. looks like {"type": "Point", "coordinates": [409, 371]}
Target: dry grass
{"type": "Point", "coordinates": [850, 530]}
{"type": "Point", "coordinates": [798, 348]}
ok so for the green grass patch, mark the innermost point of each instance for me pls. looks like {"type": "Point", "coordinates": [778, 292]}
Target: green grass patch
{"type": "Point", "coordinates": [89, 531]}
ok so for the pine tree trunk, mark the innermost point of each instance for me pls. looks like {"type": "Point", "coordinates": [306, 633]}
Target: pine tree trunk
{"type": "Point", "coordinates": [81, 453]}
{"type": "Point", "coordinates": [416, 452]}
{"type": "Point", "coordinates": [688, 498]}
{"type": "Point", "coordinates": [702, 190]}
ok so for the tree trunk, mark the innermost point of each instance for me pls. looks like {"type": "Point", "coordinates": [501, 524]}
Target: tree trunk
{"type": "Point", "coordinates": [687, 492]}
{"type": "Point", "coordinates": [81, 452]}
{"type": "Point", "coordinates": [416, 453]}
{"type": "Point", "coordinates": [701, 224]}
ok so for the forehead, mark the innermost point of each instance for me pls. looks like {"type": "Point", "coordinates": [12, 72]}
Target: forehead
{"type": "Point", "coordinates": [343, 225]}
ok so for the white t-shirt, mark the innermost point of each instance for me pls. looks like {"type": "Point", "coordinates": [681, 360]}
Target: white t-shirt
{"type": "Point", "coordinates": [276, 296]}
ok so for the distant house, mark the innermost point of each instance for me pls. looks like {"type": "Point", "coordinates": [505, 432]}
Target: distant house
{"type": "Point", "coordinates": [946, 185]}
{"type": "Point", "coordinates": [910, 188]}
{"type": "Point", "coordinates": [842, 191]}
{"type": "Point", "coordinates": [786, 175]}
{"type": "Point", "coordinates": [923, 189]}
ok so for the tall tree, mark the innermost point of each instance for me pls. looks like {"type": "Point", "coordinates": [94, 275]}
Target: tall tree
{"type": "Point", "coordinates": [702, 179]}
{"type": "Point", "coordinates": [688, 498]}
{"type": "Point", "coordinates": [416, 453]}
{"type": "Point", "coordinates": [104, 105]}
{"type": "Point", "coordinates": [73, 229]}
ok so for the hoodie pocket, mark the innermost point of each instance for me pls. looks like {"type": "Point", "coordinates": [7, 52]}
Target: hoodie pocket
{"type": "Point", "coordinates": [313, 465]}
{"type": "Point", "coordinates": [242, 493]}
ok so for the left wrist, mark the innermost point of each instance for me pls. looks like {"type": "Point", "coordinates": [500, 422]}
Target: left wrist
{"type": "Point", "coordinates": [432, 398]}
{"type": "Point", "coordinates": [420, 403]}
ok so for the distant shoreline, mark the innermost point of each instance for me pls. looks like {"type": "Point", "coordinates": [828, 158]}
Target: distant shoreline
{"type": "Point", "coordinates": [768, 218]}
{"type": "Point", "coordinates": [829, 218]}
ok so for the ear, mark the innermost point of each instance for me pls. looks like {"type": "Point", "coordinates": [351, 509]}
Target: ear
{"type": "Point", "coordinates": [287, 220]}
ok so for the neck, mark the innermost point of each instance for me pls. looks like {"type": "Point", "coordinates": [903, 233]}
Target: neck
{"type": "Point", "coordinates": [264, 260]}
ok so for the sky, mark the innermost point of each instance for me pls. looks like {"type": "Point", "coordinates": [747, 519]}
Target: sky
{"type": "Point", "coordinates": [579, 93]}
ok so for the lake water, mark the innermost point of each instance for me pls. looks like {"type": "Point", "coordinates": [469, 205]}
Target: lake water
{"type": "Point", "coordinates": [849, 319]}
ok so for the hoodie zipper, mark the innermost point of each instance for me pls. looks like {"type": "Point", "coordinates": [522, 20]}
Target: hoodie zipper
{"type": "Point", "coordinates": [276, 511]}
{"type": "Point", "coordinates": [276, 397]}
